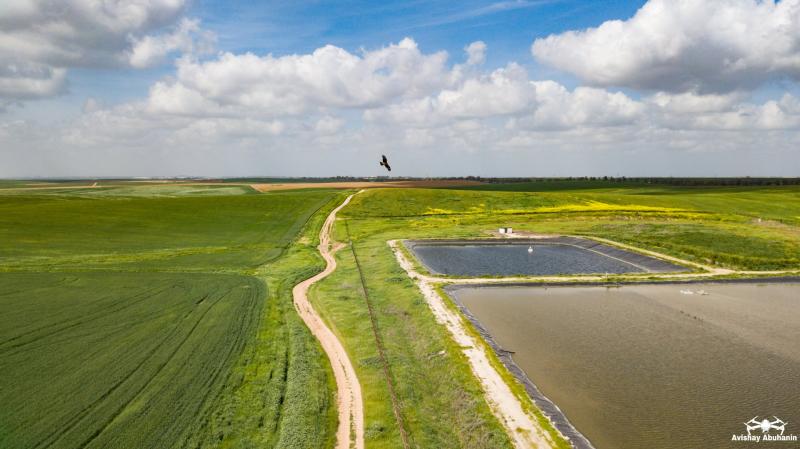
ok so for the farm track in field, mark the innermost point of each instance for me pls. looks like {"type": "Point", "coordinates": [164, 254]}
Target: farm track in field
{"type": "Point", "coordinates": [85, 361]}
{"type": "Point", "coordinates": [396, 406]}
{"type": "Point", "coordinates": [134, 318]}
{"type": "Point", "coordinates": [349, 398]}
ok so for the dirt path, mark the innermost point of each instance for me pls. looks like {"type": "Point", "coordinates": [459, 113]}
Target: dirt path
{"type": "Point", "coordinates": [349, 401]}
{"type": "Point", "coordinates": [523, 428]}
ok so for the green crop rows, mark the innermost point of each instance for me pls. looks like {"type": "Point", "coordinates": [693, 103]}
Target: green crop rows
{"type": "Point", "coordinates": [158, 317]}
{"type": "Point", "coordinates": [118, 360]}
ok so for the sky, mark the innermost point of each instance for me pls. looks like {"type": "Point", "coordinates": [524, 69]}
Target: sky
{"type": "Point", "coordinates": [322, 88]}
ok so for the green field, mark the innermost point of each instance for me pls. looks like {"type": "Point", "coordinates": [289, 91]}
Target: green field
{"type": "Point", "coordinates": [439, 397]}
{"type": "Point", "coordinates": [175, 233]}
{"type": "Point", "coordinates": [160, 316]}
{"type": "Point", "coordinates": [754, 228]}
{"type": "Point", "coordinates": [107, 370]}
{"type": "Point", "coordinates": [157, 317]}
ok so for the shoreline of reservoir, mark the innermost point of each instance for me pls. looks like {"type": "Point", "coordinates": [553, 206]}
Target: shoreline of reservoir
{"type": "Point", "coordinates": [547, 406]}
{"type": "Point", "coordinates": [694, 314]}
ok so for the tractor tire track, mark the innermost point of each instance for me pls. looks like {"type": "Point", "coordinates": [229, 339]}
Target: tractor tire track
{"type": "Point", "coordinates": [396, 406]}
{"type": "Point", "coordinates": [155, 375]}
{"type": "Point", "coordinates": [56, 435]}
{"type": "Point", "coordinates": [125, 303]}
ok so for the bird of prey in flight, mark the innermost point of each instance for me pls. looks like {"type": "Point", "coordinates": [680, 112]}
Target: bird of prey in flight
{"type": "Point", "coordinates": [385, 163]}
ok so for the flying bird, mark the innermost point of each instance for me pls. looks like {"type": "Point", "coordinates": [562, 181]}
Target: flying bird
{"type": "Point", "coordinates": [385, 163]}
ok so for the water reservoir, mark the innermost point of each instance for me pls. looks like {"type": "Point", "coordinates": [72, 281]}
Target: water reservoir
{"type": "Point", "coordinates": [548, 257]}
{"type": "Point", "coordinates": [670, 366]}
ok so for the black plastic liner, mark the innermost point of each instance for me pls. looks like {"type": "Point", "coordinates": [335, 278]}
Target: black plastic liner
{"type": "Point", "coordinates": [647, 263]}
{"type": "Point", "coordinates": [550, 410]}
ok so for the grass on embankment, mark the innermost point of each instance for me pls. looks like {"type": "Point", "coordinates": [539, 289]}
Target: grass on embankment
{"type": "Point", "coordinates": [280, 394]}
{"type": "Point", "coordinates": [256, 377]}
{"type": "Point", "coordinates": [517, 388]}
{"type": "Point", "coordinates": [694, 225]}
{"type": "Point", "coordinates": [440, 401]}
{"type": "Point", "coordinates": [714, 225]}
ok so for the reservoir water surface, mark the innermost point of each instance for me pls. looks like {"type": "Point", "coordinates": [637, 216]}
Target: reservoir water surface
{"type": "Point", "coordinates": [655, 366]}
{"type": "Point", "coordinates": [495, 260]}
{"type": "Point", "coordinates": [552, 256]}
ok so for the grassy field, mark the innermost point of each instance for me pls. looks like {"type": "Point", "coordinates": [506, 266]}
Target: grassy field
{"type": "Point", "coordinates": [440, 402]}
{"type": "Point", "coordinates": [114, 300]}
{"type": "Point", "coordinates": [208, 233]}
{"type": "Point", "coordinates": [159, 319]}
{"type": "Point", "coordinates": [127, 189]}
{"type": "Point", "coordinates": [280, 394]}
{"type": "Point", "coordinates": [92, 360]}
{"type": "Point", "coordinates": [738, 227]}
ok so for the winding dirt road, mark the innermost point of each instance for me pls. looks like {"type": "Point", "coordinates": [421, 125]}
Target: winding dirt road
{"type": "Point", "coordinates": [349, 400]}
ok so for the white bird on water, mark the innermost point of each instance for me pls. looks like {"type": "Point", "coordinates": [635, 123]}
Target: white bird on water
{"type": "Point", "coordinates": [530, 249]}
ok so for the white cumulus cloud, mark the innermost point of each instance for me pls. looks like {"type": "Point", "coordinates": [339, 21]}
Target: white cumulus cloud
{"type": "Point", "coordinates": [582, 107]}
{"type": "Point", "coordinates": [187, 37]}
{"type": "Point", "coordinates": [476, 53]}
{"type": "Point", "coordinates": [702, 46]}
{"type": "Point", "coordinates": [503, 92]}
{"type": "Point", "coordinates": [21, 80]}
{"type": "Point", "coordinates": [41, 39]}
{"type": "Point", "coordinates": [293, 84]}
{"type": "Point", "coordinates": [509, 93]}
{"type": "Point", "coordinates": [329, 125]}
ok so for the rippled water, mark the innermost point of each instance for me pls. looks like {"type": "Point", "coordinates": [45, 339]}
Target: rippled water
{"type": "Point", "coordinates": [514, 259]}
{"type": "Point", "coordinates": [650, 367]}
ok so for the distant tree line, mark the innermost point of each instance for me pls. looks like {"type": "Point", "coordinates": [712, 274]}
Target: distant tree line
{"type": "Point", "coordinates": [742, 181]}
{"type": "Point", "coordinates": [675, 181]}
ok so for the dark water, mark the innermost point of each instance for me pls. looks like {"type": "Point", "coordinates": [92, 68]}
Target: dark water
{"type": "Point", "coordinates": [651, 367]}
{"type": "Point", "coordinates": [514, 259]}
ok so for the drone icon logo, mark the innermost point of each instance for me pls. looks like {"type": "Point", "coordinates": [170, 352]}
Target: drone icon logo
{"type": "Point", "coordinates": [765, 425]}
{"type": "Point", "coordinates": [771, 430]}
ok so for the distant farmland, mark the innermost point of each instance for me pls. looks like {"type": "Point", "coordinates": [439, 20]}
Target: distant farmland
{"type": "Point", "coordinates": [161, 316]}
{"type": "Point", "coordinates": [156, 318]}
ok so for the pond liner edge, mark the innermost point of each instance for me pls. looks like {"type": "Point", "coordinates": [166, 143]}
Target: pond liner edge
{"type": "Point", "coordinates": [547, 406]}
{"type": "Point", "coordinates": [614, 284]}
{"type": "Point", "coordinates": [550, 410]}
{"type": "Point", "coordinates": [651, 264]}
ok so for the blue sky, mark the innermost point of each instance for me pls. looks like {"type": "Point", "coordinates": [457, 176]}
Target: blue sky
{"type": "Point", "coordinates": [290, 27]}
{"type": "Point", "coordinates": [509, 27]}
{"type": "Point", "coordinates": [233, 88]}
